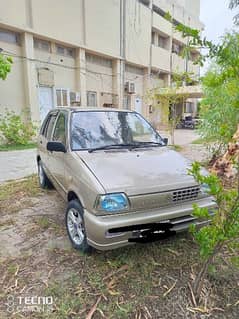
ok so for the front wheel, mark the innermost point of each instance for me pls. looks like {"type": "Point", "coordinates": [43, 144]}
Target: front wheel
{"type": "Point", "coordinates": [76, 227]}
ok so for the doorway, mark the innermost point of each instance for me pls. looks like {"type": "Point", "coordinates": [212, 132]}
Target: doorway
{"type": "Point", "coordinates": [46, 102]}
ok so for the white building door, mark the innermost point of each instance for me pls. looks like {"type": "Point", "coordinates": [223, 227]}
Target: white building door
{"type": "Point", "coordinates": [138, 105]}
{"type": "Point", "coordinates": [45, 101]}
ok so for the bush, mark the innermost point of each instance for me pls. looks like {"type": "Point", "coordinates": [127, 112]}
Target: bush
{"type": "Point", "coordinates": [14, 130]}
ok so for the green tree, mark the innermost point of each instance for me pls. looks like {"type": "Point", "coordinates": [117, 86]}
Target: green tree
{"type": "Point", "coordinates": [5, 66]}
{"type": "Point", "coordinates": [220, 111]}
{"type": "Point", "coordinates": [224, 226]}
{"type": "Point", "coordinates": [232, 5]}
{"type": "Point", "coordinates": [220, 105]}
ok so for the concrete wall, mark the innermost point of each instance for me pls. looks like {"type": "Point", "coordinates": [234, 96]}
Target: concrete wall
{"type": "Point", "coordinates": [99, 77]}
{"type": "Point", "coordinates": [49, 18]}
{"type": "Point", "coordinates": [102, 23]}
{"type": "Point", "coordinates": [12, 92]}
{"type": "Point", "coordinates": [138, 33]}
{"type": "Point", "coordinates": [14, 13]}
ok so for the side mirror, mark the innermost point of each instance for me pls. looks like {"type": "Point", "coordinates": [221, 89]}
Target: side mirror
{"type": "Point", "coordinates": [56, 147]}
{"type": "Point", "coordinates": [165, 140]}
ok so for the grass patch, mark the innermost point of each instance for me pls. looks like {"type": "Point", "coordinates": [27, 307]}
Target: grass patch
{"type": "Point", "coordinates": [17, 147]}
{"type": "Point", "coordinates": [27, 187]}
{"type": "Point", "coordinates": [199, 141]}
{"type": "Point", "coordinates": [125, 280]}
{"type": "Point", "coordinates": [43, 222]}
{"type": "Point", "coordinates": [176, 147]}
{"type": "Point", "coordinates": [12, 268]}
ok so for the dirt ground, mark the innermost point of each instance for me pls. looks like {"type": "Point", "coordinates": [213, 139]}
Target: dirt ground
{"type": "Point", "coordinates": [142, 281]}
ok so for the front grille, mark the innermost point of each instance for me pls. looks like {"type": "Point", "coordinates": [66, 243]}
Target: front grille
{"type": "Point", "coordinates": [186, 194]}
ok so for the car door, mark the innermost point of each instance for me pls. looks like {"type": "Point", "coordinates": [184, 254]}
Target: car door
{"type": "Point", "coordinates": [56, 160]}
{"type": "Point", "coordinates": [45, 136]}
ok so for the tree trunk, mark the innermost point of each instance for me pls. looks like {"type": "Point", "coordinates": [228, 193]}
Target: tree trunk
{"type": "Point", "coordinates": [224, 166]}
{"type": "Point", "coordinates": [199, 280]}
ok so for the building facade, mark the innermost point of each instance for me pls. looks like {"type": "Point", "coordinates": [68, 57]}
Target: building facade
{"type": "Point", "coordinates": [103, 53]}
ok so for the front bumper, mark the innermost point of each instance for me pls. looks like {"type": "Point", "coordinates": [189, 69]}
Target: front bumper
{"type": "Point", "coordinates": [114, 231]}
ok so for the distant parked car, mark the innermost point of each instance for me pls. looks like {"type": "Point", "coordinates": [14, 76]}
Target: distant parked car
{"type": "Point", "coordinates": [121, 182]}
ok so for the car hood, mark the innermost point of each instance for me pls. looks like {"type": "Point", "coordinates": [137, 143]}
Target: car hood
{"type": "Point", "coordinates": [139, 171]}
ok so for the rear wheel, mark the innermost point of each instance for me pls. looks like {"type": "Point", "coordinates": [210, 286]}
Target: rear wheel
{"type": "Point", "coordinates": [44, 181]}
{"type": "Point", "coordinates": [76, 227]}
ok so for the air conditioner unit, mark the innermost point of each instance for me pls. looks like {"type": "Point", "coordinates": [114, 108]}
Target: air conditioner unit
{"type": "Point", "coordinates": [130, 87]}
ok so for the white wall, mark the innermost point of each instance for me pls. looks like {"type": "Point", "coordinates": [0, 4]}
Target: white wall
{"type": "Point", "coordinates": [12, 89]}
{"type": "Point", "coordinates": [138, 33]}
{"type": "Point", "coordinates": [102, 21]}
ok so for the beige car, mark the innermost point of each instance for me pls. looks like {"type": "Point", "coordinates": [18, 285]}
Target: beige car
{"type": "Point", "coordinates": [121, 182]}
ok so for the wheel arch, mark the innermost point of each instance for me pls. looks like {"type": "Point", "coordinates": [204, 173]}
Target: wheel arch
{"type": "Point", "coordinates": [72, 195]}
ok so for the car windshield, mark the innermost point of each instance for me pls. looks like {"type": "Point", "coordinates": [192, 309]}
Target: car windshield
{"type": "Point", "coordinates": [98, 129]}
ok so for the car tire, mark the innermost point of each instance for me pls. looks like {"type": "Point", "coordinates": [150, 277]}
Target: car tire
{"type": "Point", "coordinates": [75, 226]}
{"type": "Point", "coordinates": [44, 181]}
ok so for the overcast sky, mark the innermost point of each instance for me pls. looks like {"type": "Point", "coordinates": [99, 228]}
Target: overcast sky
{"type": "Point", "coordinates": [217, 18]}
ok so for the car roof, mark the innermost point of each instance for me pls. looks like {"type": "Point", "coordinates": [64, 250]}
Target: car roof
{"type": "Point", "coordinates": [83, 109]}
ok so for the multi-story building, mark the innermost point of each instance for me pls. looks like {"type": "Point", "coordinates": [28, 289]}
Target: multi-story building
{"type": "Point", "coordinates": [91, 52]}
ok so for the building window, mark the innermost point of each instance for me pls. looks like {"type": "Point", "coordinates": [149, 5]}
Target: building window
{"type": "Point", "coordinates": [177, 48]}
{"type": "Point", "coordinates": [61, 50]}
{"type": "Point", "coordinates": [42, 45]}
{"type": "Point", "coordinates": [127, 102]}
{"type": "Point", "coordinates": [145, 2]}
{"type": "Point", "coordinates": [159, 11]}
{"type": "Point", "coordinates": [62, 97]}
{"type": "Point", "coordinates": [162, 42]}
{"type": "Point", "coordinates": [153, 37]}
{"type": "Point", "coordinates": [91, 98]}
{"type": "Point", "coordinates": [94, 59]}
{"type": "Point", "coordinates": [189, 107]}
{"type": "Point", "coordinates": [9, 36]}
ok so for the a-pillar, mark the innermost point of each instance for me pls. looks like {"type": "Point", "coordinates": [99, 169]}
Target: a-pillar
{"type": "Point", "coordinates": [30, 79]}
{"type": "Point", "coordinates": [81, 75]}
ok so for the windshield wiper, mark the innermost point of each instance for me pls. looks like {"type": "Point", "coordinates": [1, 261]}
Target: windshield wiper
{"type": "Point", "coordinates": [139, 144]}
{"type": "Point", "coordinates": [112, 146]}
{"type": "Point", "coordinates": [125, 145]}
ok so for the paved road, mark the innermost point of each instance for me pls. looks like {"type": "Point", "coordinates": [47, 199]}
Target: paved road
{"type": "Point", "coordinates": [17, 164]}
{"type": "Point", "coordinates": [181, 137]}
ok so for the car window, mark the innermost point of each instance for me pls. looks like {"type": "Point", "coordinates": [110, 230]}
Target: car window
{"type": "Point", "coordinates": [50, 126]}
{"type": "Point", "coordinates": [45, 126]}
{"type": "Point", "coordinates": [59, 134]}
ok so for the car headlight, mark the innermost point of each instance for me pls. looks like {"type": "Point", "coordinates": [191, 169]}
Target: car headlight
{"type": "Point", "coordinates": [205, 189]}
{"type": "Point", "coordinates": [113, 202]}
